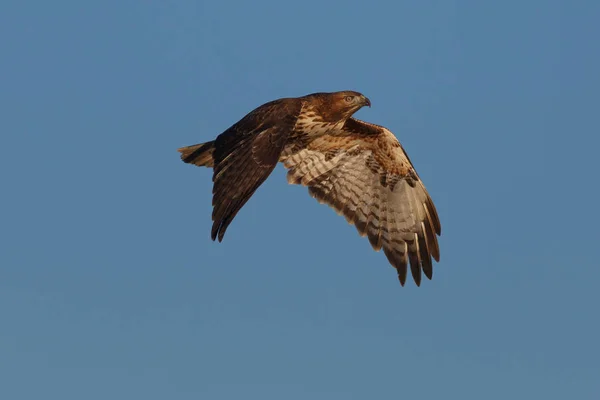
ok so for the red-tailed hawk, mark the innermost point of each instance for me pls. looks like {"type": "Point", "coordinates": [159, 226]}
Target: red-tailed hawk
{"type": "Point", "coordinates": [358, 168]}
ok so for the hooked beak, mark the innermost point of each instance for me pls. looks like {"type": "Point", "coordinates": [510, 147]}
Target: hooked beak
{"type": "Point", "coordinates": [366, 102]}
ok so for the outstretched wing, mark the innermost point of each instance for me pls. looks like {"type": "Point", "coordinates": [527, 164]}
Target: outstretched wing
{"type": "Point", "coordinates": [245, 155]}
{"type": "Point", "coordinates": [365, 175]}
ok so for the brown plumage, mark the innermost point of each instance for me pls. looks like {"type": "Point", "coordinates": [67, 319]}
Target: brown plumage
{"type": "Point", "coordinates": [357, 168]}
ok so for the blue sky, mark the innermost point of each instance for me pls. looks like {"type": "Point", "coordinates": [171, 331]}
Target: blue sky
{"type": "Point", "coordinates": [110, 286]}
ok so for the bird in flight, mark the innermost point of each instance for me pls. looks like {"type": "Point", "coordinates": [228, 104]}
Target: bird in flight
{"type": "Point", "coordinates": [357, 168]}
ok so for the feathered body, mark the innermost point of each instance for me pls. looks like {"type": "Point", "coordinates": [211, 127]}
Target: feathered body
{"type": "Point", "coordinates": [358, 168]}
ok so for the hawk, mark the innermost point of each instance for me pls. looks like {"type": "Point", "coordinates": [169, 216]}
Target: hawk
{"type": "Point", "coordinates": [357, 168]}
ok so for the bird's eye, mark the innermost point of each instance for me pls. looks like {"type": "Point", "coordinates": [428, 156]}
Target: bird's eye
{"type": "Point", "coordinates": [349, 99]}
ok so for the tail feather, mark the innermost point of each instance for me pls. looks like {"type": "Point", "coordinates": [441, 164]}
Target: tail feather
{"type": "Point", "coordinates": [199, 154]}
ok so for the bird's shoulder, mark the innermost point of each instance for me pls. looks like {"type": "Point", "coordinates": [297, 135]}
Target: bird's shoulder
{"type": "Point", "coordinates": [362, 136]}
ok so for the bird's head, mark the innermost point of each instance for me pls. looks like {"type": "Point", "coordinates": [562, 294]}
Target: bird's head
{"type": "Point", "coordinates": [338, 106]}
{"type": "Point", "coordinates": [350, 101]}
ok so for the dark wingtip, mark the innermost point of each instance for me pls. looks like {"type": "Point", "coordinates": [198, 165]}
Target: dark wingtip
{"type": "Point", "coordinates": [428, 273]}
{"type": "Point", "coordinates": [401, 276]}
{"type": "Point", "coordinates": [218, 231]}
{"type": "Point", "coordinates": [416, 273]}
{"type": "Point", "coordinates": [214, 230]}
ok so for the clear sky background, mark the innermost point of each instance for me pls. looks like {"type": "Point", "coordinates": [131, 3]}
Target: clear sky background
{"type": "Point", "coordinates": [110, 287]}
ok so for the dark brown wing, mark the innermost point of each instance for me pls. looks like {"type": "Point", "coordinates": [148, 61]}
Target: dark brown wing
{"type": "Point", "coordinates": [365, 175]}
{"type": "Point", "coordinates": [245, 155]}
